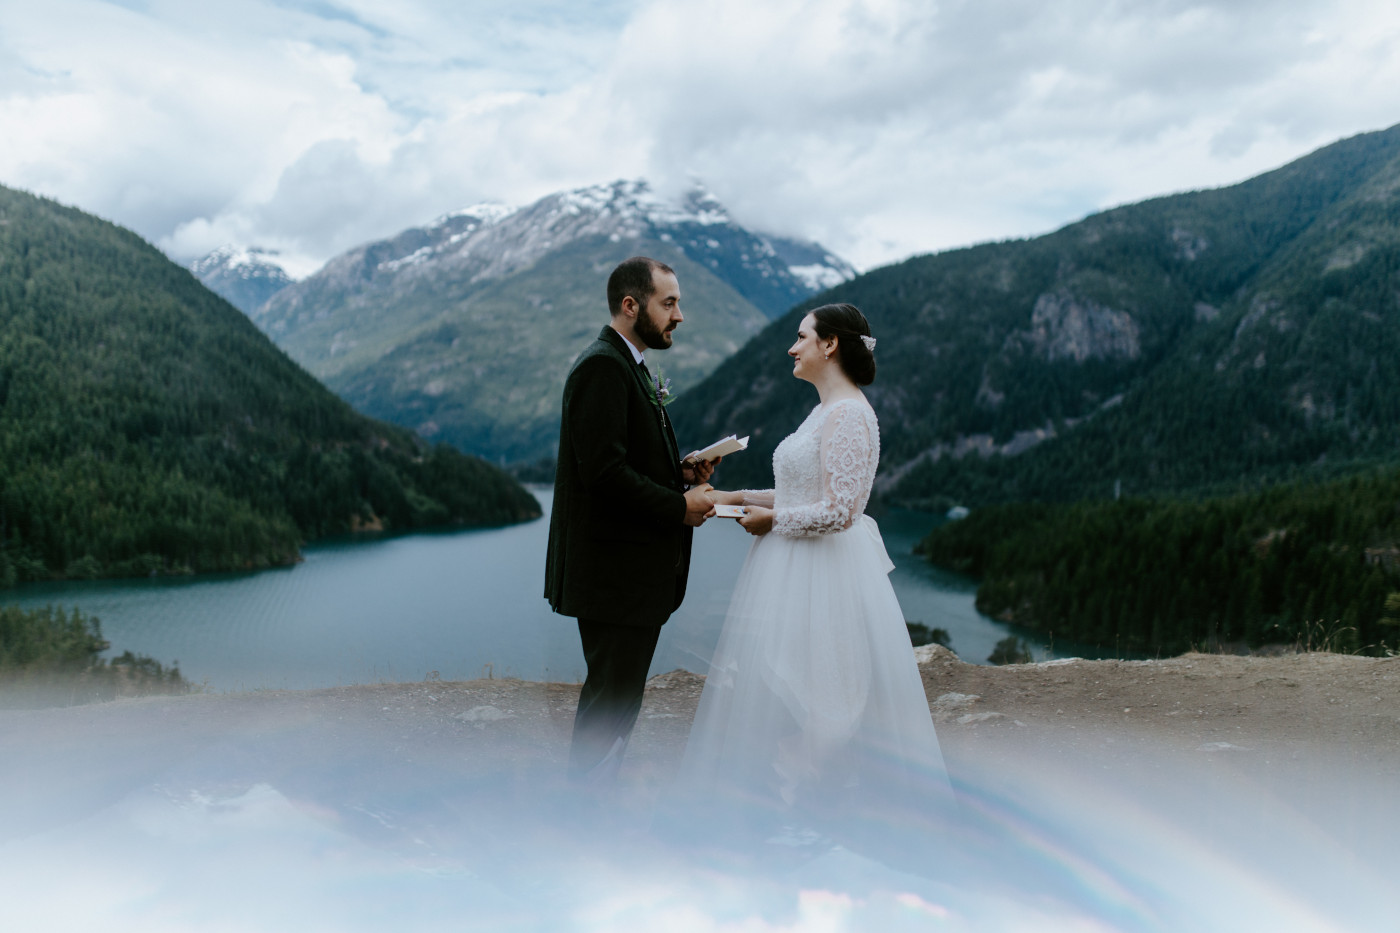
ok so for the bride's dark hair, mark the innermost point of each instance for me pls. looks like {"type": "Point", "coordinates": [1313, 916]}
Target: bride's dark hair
{"type": "Point", "coordinates": [848, 325]}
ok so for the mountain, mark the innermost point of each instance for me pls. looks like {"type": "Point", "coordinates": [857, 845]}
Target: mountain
{"type": "Point", "coordinates": [1199, 341]}
{"type": "Point", "coordinates": [464, 329]}
{"type": "Point", "coordinates": [245, 278]}
{"type": "Point", "coordinates": [146, 426]}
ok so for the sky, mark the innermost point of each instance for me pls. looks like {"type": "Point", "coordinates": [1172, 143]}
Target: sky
{"type": "Point", "coordinates": [880, 128]}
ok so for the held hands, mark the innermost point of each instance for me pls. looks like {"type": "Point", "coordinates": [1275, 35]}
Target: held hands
{"type": "Point", "coordinates": [698, 505]}
{"type": "Point", "coordinates": [697, 472]}
{"type": "Point", "coordinates": [756, 521]}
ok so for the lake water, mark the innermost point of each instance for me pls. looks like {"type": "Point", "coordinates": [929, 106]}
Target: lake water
{"type": "Point", "coordinates": [463, 604]}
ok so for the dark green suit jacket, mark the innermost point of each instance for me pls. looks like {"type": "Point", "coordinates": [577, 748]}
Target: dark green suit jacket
{"type": "Point", "coordinates": [618, 548]}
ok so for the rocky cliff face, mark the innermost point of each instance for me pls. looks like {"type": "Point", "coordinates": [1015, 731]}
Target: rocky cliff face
{"type": "Point", "coordinates": [1064, 327]}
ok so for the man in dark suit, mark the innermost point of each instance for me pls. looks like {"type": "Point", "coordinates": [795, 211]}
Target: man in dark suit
{"type": "Point", "coordinates": [624, 507]}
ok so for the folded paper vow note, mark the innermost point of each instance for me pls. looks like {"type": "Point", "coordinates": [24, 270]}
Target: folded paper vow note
{"type": "Point", "coordinates": [720, 448]}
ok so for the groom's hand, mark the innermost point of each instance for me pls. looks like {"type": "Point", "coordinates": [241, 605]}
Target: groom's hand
{"type": "Point", "coordinates": [695, 472]}
{"type": "Point", "coordinates": [698, 505]}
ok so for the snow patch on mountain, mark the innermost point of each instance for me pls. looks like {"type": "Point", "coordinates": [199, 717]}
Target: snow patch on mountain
{"type": "Point", "coordinates": [819, 277]}
{"type": "Point", "coordinates": [420, 255]}
{"type": "Point", "coordinates": [244, 276]}
{"type": "Point", "coordinates": [635, 201]}
{"type": "Point", "coordinates": [246, 262]}
{"type": "Point", "coordinates": [487, 212]}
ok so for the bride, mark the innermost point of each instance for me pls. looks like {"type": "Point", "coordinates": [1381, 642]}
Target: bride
{"type": "Point", "coordinates": [814, 699]}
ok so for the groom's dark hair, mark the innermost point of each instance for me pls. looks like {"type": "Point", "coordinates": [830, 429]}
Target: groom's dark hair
{"type": "Point", "coordinates": [634, 277]}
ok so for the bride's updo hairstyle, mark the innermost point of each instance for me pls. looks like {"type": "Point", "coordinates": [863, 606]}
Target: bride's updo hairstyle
{"type": "Point", "coordinates": [848, 325]}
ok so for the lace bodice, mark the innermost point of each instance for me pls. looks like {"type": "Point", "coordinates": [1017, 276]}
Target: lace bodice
{"type": "Point", "coordinates": [823, 471]}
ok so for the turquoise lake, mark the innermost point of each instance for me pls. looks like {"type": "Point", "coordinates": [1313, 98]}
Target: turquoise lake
{"type": "Point", "coordinates": [456, 605]}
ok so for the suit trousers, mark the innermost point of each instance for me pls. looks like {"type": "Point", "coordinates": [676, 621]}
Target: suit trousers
{"type": "Point", "coordinates": [618, 657]}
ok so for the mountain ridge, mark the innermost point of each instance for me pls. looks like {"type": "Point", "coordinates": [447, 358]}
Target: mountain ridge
{"type": "Point", "coordinates": [1067, 358]}
{"type": "Point", "coordinates": [464, 329]}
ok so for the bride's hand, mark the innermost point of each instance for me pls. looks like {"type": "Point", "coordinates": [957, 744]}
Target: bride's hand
{"type": "Point", "coordinates": [723, 497]}
{"type": "Point", "coordinates": [759, 521]}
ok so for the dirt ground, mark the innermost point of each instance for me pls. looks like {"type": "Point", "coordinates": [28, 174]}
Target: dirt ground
{"type": "Point", "coordinates": [1195, 702]}
{"type": "Point", "coordinates": [1195, 788]}
{"type": "Point", "coordinates": [1196, 706]}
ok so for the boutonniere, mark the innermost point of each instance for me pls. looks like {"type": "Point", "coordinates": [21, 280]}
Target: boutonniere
{"type": "Point", "coordinates": [661, 388]}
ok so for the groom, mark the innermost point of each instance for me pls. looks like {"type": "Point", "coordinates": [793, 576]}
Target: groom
{"type": "Point", "coordinates": [624, 507]}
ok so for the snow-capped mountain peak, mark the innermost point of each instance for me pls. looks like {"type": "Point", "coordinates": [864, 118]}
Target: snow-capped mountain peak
{"type": "Point", "coordinates": [491, 240]}
{"type": "Point", "coordinates": [245, 276]}
{"type": "Point", "coordinates": [636, 201]}
{"type": "Point", "coordinates": [247, 261]}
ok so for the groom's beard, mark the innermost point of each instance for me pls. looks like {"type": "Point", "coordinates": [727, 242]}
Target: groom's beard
{"type": "Point", "coordinates": [654, 337]}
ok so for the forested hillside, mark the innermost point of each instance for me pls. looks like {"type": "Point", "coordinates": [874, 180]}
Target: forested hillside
{"type": "Point", "coordinates": [486, 373]}
{"type": "Point", "coordinates": [146, 426]}
{"type": "Point", "coordinates": [1312, 565]}
{"type": "Point", "coordinates": [1202, 341]}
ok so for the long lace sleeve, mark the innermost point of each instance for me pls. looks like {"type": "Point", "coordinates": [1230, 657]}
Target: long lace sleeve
{"type": "Point", "coordinates": [850, 448]}
{"type": "Point", "coordinates": [759, 497]}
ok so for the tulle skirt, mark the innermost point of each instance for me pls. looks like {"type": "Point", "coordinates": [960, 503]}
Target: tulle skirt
{"type": "Point", "coordinates": [813, 698]}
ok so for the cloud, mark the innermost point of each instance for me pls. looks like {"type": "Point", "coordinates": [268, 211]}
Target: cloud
{"type": "Point", "coordinates": [923, 126]}
{"type": "Point", "coordinates": [880, 127]}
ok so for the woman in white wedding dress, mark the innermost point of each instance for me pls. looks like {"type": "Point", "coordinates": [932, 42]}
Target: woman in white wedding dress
{"type": "Point", "coordinates": [813, 698]}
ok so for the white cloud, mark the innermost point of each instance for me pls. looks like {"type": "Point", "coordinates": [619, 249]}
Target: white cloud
{"type": "Point", "coordinates": [918, 126]}
{"type": "Point", "coordinates": [882, 128]}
